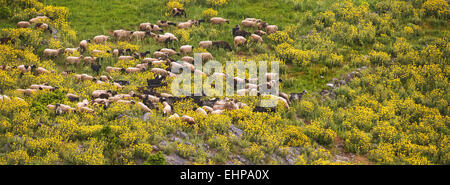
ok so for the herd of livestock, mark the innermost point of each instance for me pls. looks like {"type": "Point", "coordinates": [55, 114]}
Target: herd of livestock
{"type": "Point", "coordinates": [148, 97]}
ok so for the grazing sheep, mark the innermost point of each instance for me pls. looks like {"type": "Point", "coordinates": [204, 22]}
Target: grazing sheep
{"type": "Point", "coordinates": [165, 23]}
{"type": "Point", "coordinates": [188, 59]}
{"type": "Point", "coordinates": [52, 52]}
{"type": "Point", "coordinates": [188, 119]}
{"type": "Point", "coordinates": [143, 26]}
{"type": "Point", "coordinates": [27, 92]}
{"type": "Point", "coordinates": [167, 109]}
{"type": "Point", "coordinates": [256, 38]}
{"type": "Point", "coordinates": [42, 26]}
{"type": "Point", "coordinates": [110, 69]}
{"type": "Point", "coordinates": [126, 58]}
{"type": "Point", "coordinates": [41, 70]}
{"type": "Point", "coordinates": [206, 56]}
{"type": "Point", "coordinates": [183, 25]}
{"type": "Point", "coordinates": [166, 38]}
{"type": "Point", "coordinates": [262, 25]}
{"type": "Point", "coordinates": [85, 110]}
{"type": "Point", "coordinates": [217, 112]}
{"type": "Point", "coordinates": [154, 28]}
{"type": "Point", "coordinates": [174, 117]}
{"type": "Point", "coordinates": [159, 71]}
{"type": "Point", "coordinates": [169, 52]}
{"type": "Point", "coordinates": [37, 19]}
{"type": "Point", "coordinates": [71, 50]}
{"type": "Point", "coordinates": [222, 44]}
{"type": "Point", "coordinates": [25, 68]}
{"type": "Point", "coordinates": [159, 54]}
{"type": "Point", "coordinates": [218, 20]}
{"type": "Point", "coordinates": [100, 39]}
{"type": "Point", "coordinates": [271, 29]}
{"type": "Point", "coordinates": [239, 40]}
{"type": "Point", "coordinates": [74, 60]}
{"type": "Point", "coordinates": [150, 60]}
{"type": "Point", "coordinates": [72, 97]}
{"type": "Point", "coordinates": [83, 45]}
{"type": "Point", "coordinates": [205, 44]}
{"type": "Point", "coordinates": [133, 70]}
{"type": "Point", "coordinates": [139, 35]}
{"type": "Point", "coordinates": [23, 24]}
{"type": "Point", "coordinates": [186, 49]}
{"type": "Point", "coordinates": [271, 76]}
{"type": "Point", "coordinates": [249, 23]}
{"type": "Point", "coordinates": [189, 65]}
{"type": "Point", "coordinates": [241, 33]}
{"type": "Point", "coordinates": [178, 12]}
{"type": "Point", "coordinates": [201, 111]}
{"type": "Point", "coordinates": [260, 32]}
{"type": "Point", "coordinates": [207, 109]}
{"type": "Point", "coordinates": [143, 66]}
{"type": "Point", "coordinates": [89, 60]}
{"type": "Point", "coordinates": [122, 34]}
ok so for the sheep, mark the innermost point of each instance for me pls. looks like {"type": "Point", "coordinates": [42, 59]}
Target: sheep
{"type": "Point", "coordinates": [207, 109]}
{"type": "Point", "coordinates": [188, 119]}
{"type": "Point", "coordinates": [41, 70]}
{"type": "Point", "coordinates": [122, 34]}
{"type": "Point", "coordinates": [188, 59]}
{"type": "Point", "coordinates": [126, 58]}
{"type": "Point", "coordinates": [84, 44]}
{"type": "Point", "coordinates": [249, 23]}
{"type": "Point", "coordinates": [186, 49]}
{"type": "Point", "coordinates": [159, 71]}
{"type": "Point", "coordinates": [154, 28]}
{"type": "Point", "coordinates": [159, 54]}
{"type": "Point", "coordinates": [262, 25]}
{"type": "Point", "coordinates": [176, 65]}
{"type": "Point", "coordinates": [143, 107]}
{"type": "Point", "coordinates": [165, 23]}
{"type": "Point", "coordinates": [174, 117]}
{"type": "Point", "coordinates": [164, 38]}
{"type": "Point", "coordinates": [133, 70]}
{"type": "Point", "coordinates": [271, 29]}
{"type": "Point", "coordinates": [143, 26]}
{"type": "Point", "coordinates": [37, 19]}
{"type": "Point", "coordinates": [85, 110]}
{"type": "Point", "coordinates": [222, 44]}
{"type": "Point", "coordinates": [83, 103]}
{"type": "Point", "coordinates": [169, 52]}
{"type": "Point", "coordinates": [72, 97]}
{"type": "Point", "coordinates": [52, 52]}
{"type": "Point", "coordinates": [285, 96]}
{"type": "Point", "coordinates": [42, 26]}
{"type": "Point", "coordinates": [218, 20]}
{"type": "Point", "coordinates": [167, 109]}
{"type": "Point", "coordinates": [139, 35]}
{"type": "Point", "coordinates": [178, 12]}
{"type": "Point", "coordinates": [166, 95]}
{"type": "Point", "coordinates": [205, 44]}
{"type": "Point", "coordinates": [188, 65]}
{"type": "Point", "coordinates": [97, 52]}
{"type": "Point", "coordinates": [260, 32]}
{"type": "Point", "coordinates": [110, 69]}
{"type": "Point", "coordinates": [201, 111]}
{"type": "Point", "coordinates": [71, 50]}
{"type": "Point", "coordinates": [206, 56]}
{"type": "Point", "coordinates": [183, 25]}
{"type": "Point", "coordinates": [101, 39]}
{"type": "Point", "coordinates": [74, 60]}
{"type": "Point", "coordinates": [239, 40]}
{"type": "Point", "coordinates": [23, 24]}
{"type": "Point", "coordinates": [27, 92]}
{"type": "Point", "coordinates": [271, 76]}
{"type": "Point", "coordinates": [217, 112]}
{"type": "Point", "coordinates": [89, 60]}
{"type": "Point", "coordinates": [142, 67]}
{"type": "Point", "coordinates": [25, 69]}
{"type": "Point", "coordinates": [150, 60]}
{"type": "Point", "coordinates": [256, 38]}
{"type": "Point", "coordinates": [98, 93]}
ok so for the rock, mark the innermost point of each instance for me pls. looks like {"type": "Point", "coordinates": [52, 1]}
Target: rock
{"type": "Point", "coordinates": [330, 85]}
{"type": "Point", "coordinates": [175, 139]}
{"type": "Point", "coordinates": [175, 159]}
{"type": "Point", "coordinates": [163, 143]}
{"type": "Point", "coordinates": [236, 131]}
{"type": "Point", "coordinates": [183, 134]}
{"type": "Point", "coordinates": [155, 147]}
{"type": "Point", "coordinates": [146, 116]}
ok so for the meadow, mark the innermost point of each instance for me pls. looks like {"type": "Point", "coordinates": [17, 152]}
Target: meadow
{"type": "Point", "coordinates": [375, 71]}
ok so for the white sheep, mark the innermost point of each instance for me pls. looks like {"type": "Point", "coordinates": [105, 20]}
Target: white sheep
{"type": "Point", "coordinates": [206, 56]}
{"type": "Point", "coordinates": [169, 52]}
{"type": "Point", "coordinates": [256, 38]}
{"type": "Point", "coordinates": [188, 119]}
{"type": "Point", "coordinates": [101, 38]}
{"type": "Point", "coordinates": [271, 29]}
{"type": "Point", "coordinates": [41, 70]}
{"type": "Point", "coordinates": [52, 52]}
{"type": "Point", "coordinates": [205, 44]}
{"type": "Point", "coordinates": [239, 40]}
{"type": "Point", "coordinates": [74, 60]}
{"type": "Point", "coordinates": [122, 34]}
{"type": "Point", "coordinates": [159, 71]}
{"type": "Point", "coordinates": [23, 24]}
{"type": "Point", "coordinates": [218, 20]}
{"type": "Point", "coordinates": [186, 49]}
{"type": "Point", "coordinates": [188, 59]}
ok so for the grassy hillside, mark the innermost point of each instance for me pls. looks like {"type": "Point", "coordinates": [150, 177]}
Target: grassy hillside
{"type": "Point", "coordinates": [376, 73]}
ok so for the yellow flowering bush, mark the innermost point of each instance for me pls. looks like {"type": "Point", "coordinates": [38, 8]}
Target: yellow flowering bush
{"type": "Point", "coordinates": [437, 8]}
{"type": "Point", "coordinates": [217, 2]}
{"type": "Point", "coordinates": [208, 13]}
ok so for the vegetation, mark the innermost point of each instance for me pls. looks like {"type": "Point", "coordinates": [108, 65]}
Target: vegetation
{"type": "Point", "coordinates": [387, 61]}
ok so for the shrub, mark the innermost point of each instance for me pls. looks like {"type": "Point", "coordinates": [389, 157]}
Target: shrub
{"type": "Point", "coordinates": [156, 159]}
{"type": "Point", "coordinates": [5, 12]}
{"type": "Point", "coordinates": [208, 13]}
{"type": "Point", "coordinates": [438, 8]}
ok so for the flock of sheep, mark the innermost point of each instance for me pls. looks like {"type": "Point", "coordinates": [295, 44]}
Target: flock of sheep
{"type": "Point", "coordinates": [149, 97]}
